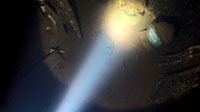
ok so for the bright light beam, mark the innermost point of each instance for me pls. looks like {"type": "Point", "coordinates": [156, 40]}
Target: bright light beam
{"type": "Point", "coordinates": [89, 78]}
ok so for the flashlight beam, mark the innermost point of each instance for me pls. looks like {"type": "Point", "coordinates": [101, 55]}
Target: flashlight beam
{"type": "Point", "coordinates": [89, 78]}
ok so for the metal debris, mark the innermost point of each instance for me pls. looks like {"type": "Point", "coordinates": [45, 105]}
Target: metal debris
{"type": "Point", "coordinates": [58, 51]}
{"type": "Point", "coordinates": [180, 64]}
{"type": "Point", "coordinates": [62, 10]}
{"type": "Point", "coordinates": [66, 16]}
{"type": "Point", "coordinates": [43, 7]}
{"type": "Point", "coordinates": [52, 19]}
{"type": "Point", "coordinates": [48, 28]}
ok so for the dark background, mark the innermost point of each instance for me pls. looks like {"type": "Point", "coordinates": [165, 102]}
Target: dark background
{"type": "Point", "coordinates": [26, 84]}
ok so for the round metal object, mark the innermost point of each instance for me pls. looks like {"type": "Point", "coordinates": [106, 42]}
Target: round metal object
{"type": "Point", "coordinates": [158, 34]}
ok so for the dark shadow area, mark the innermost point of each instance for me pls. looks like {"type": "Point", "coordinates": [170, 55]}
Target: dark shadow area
{"type": "Point", "coordinates": [147, 2]}
{"type": "Point", "coordinates": [179, 28]}
{"type": "Point", "coordinates": [28, 85]}
{"type": "Point", "coordinates": [188, 103]}
{"type": "Point", "coordinates": [181, 33]}
{"type": "Point", "coordinates": [15, 23]}
{"type": "Point", "coordinates": [176, 22]}
{"type": "Point", "coordinates": [75, 10]}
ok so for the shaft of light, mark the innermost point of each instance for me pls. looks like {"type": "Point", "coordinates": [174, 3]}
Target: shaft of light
{"type": "Point", "coordinates": [91, 75]}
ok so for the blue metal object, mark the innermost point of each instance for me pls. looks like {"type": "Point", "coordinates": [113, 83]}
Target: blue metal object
{"type": "Point", "coordinates": [153, 37]}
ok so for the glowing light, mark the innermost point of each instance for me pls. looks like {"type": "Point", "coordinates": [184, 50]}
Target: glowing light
{"type": "Point", "coordinates": [89, 78]}
{"type": "Point", "coordinates": [119, 23]}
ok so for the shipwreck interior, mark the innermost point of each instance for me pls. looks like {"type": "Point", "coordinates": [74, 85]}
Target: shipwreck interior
{"type": "Point", "coordinates": [100, 56]}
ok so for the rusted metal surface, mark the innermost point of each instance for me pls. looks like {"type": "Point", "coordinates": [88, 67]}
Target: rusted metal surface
{"type": "Point", "coordinates": [187, 58]}
{"type": "Point", "coordinates": [176, 85]}
{"type": "Point", "coordinates": [179, 61]}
